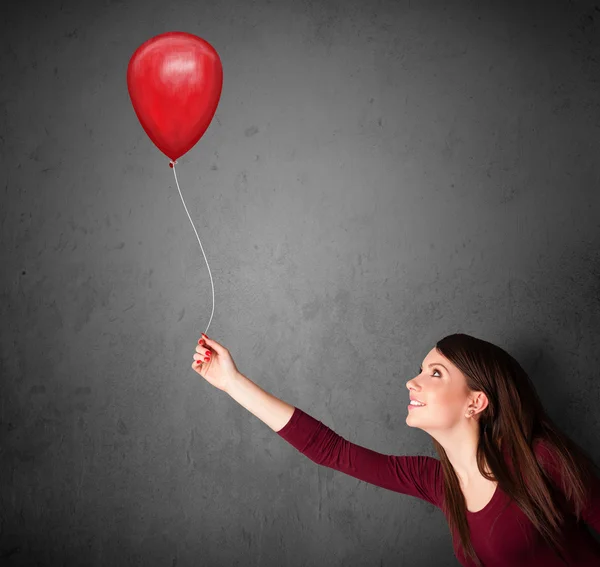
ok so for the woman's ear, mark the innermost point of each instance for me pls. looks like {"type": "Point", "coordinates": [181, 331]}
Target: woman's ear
{"type": "Point", "coordinates": [480, 401]}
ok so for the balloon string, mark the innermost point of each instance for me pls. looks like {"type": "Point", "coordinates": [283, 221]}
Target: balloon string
{"type": "Point", "coordinates": [172, 164]}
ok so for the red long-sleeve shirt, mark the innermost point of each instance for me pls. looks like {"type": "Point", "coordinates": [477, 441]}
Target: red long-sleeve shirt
{"type": "Point", "coordinates": [513, 541]}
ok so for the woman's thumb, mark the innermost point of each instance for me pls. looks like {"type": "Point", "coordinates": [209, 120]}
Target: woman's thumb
{"type": "Point", "coordinates": [213, 344]}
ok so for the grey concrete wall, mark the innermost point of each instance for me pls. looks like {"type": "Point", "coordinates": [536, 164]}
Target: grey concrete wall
{"type": "Point", "coordinates": [377, 176]}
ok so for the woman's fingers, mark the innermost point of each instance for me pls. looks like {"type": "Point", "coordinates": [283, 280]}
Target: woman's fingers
{"type": "Point", "coordinates": [202, 350]}
{"type": "Point", "coordinates": [217, 347]}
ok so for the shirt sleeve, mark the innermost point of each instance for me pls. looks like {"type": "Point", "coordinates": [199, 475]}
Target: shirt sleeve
{"type": "Point", "coordinates": [418, 476]}
{"type": "Point", "coordinates": [591, 511]}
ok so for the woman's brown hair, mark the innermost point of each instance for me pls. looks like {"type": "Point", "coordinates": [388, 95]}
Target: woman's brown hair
{"type": "Point", "coordinates": [512, 421]}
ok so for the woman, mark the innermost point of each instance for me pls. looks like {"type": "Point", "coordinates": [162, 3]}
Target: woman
{"type": "Point", "coordinates": [485, 417]}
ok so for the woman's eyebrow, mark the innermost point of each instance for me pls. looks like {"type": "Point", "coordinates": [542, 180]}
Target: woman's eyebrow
{"type": "Point", "coordinates": [437, 364]}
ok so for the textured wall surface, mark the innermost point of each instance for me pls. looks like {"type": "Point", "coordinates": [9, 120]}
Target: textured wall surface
{"type": "Point", "coordinates": [377, 175]}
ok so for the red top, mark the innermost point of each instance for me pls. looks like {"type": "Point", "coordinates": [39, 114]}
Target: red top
{"type": "Point", "coordinates": [513, 540]}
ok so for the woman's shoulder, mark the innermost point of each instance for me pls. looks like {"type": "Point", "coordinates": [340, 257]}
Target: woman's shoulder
{"type": "Point", "coordinates": [546, 454]}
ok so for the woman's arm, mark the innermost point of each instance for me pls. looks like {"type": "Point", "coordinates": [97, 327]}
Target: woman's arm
{"type": "Point", "coordinates": [269, 409]}
{"type": "Point", "coordinates": [418, 476]}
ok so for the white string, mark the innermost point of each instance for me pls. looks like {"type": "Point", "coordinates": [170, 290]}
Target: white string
{"type": "Point", "coordinates": [188, 214]}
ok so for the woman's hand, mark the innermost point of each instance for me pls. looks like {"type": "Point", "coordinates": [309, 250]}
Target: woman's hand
{"type": "Point", "coordinates": [214, 363]}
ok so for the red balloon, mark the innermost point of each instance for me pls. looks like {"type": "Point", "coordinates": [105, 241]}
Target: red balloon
{"type": "Point", "coordinates": [174, 81]}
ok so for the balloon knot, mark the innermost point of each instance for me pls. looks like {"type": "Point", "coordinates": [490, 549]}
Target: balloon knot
{"type": "Point", "coordinates": [172, 163]}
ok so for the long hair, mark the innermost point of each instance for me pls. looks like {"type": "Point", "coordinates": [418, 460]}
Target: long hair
{"type": "Point", "coordinates": [512, 421]}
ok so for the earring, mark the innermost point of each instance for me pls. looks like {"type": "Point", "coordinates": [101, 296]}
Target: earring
{"type": "Point", "coordinates": [470, 412]}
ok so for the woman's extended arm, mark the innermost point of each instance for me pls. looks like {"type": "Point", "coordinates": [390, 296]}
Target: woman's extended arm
{"type": "Point", "coordinates": [418, 476]}
{"type": "Point", "coordinates": [273, 411]}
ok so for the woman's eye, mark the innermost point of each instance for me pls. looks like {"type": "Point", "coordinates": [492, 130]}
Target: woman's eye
{"type": "Point", "coordinates": [435, 370]}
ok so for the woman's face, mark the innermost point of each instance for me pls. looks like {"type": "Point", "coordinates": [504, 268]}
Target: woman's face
{"type": "Point", "coordinates": [443, 388]}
